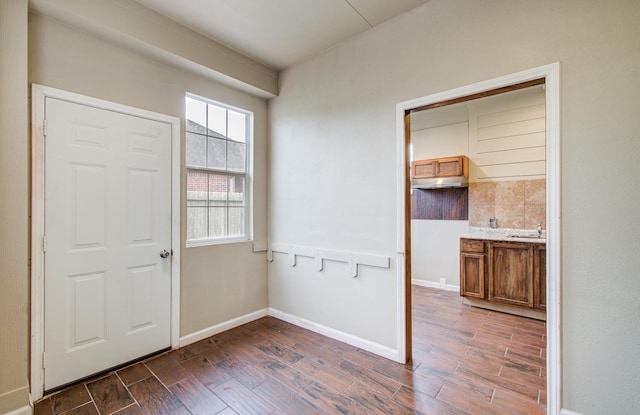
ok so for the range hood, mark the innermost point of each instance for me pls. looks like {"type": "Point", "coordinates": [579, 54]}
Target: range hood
{"type": "Point", "coordinates": [440, 182]}
{"type": "Point", "coordinates": [440, 173]}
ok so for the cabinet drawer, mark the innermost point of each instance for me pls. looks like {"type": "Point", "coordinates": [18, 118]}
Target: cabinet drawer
{"type": "Point", "coordinates": [472, 245]}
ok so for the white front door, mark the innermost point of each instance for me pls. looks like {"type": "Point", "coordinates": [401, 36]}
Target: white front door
{"type": "Point", "coordinates": [107, 290]}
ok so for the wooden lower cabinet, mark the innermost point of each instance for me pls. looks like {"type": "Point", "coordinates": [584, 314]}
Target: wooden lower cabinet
{"type": "Point", "coordinates": [503, 272]}
{"type": "Point", "coordinates": [540, 277]}
{"type": "Point", "coordinates": [472, 268]}
{"type": "Point", "coordinates": [511, 273]}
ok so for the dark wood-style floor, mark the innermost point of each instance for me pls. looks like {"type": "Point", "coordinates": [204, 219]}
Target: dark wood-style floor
{"type": "Point", "coordinates": [466, 361]}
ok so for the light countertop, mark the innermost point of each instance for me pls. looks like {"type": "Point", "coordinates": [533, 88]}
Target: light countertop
{"type": "Point", "coordinates": [505, 234]}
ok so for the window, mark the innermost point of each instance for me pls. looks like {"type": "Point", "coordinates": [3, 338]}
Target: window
{"type": "Point", "coordinates": [218, 139]}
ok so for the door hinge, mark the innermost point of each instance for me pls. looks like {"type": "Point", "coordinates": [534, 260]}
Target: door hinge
{"type": "Point", "coordinates": [44, 243]}
{"type": "Point", "coordinates": [44, 127]}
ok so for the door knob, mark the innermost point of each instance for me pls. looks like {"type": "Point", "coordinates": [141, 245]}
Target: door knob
{"type": "Point", "coordinates": [164, 253]}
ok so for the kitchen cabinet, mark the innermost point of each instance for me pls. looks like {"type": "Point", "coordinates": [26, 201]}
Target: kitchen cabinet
{"type": "Point", "coordinates": [511, 273]}
{"type": "Point", "coordinates": [472, 268]}
{"type": "Point", "coordinates": [440, 167]}
{"type": "Point", "coordinates": [503, 272]}
{"type": "Point", "coordinates": [540, 277]}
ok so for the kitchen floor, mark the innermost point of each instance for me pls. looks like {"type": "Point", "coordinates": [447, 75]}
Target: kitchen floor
{"type": "Point", "coordinates": [466, 361]}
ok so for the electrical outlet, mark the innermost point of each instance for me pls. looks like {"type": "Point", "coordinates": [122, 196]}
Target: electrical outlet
{"type": "Point", "coordinates": [443, 282]}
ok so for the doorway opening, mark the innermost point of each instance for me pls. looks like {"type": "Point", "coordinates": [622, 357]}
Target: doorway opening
{"type": "Point", "coordinates": [549, 77]}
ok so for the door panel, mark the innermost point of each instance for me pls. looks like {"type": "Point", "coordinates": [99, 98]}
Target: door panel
{"type": "Point", "coordinates": [86, 295]}
{"type": "Point", "coordinates": [107, 218]}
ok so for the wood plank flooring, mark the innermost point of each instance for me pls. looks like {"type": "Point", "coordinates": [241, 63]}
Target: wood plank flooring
{"type": "Point", "coordinates": [466, 361]}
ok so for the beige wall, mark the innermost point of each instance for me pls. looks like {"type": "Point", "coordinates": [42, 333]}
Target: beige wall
{"type": "Point", "coordinates": [332, 176]}
{"type": "Point", "coordinates": [334, 125]}
{"type": "Point", "coordinates": [14, 207]}
{"type": "Point", "coordinates": [217, 282]}
{"type": "Point", "coordinates": [442, 141]}
{"type": "Point", "coordinates": [435, 243]}
{"type": "Point", "coordinates": [142, 29]}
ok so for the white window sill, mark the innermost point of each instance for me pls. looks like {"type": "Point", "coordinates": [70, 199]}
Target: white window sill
{"type": "Point", "coordinates": [208, 242]}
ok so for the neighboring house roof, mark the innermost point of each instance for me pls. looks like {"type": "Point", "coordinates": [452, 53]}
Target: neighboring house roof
{"type": "Point", "coordinates": [194, 127]}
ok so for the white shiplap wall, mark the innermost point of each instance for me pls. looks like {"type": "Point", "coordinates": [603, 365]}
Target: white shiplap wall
{"type": "Point", "coordinates": [507, 137]}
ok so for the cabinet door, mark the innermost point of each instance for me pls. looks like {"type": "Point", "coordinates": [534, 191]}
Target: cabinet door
{"type": "Point", "coordinates": [450, 166]}
{"type": "Point", "coordinates": [511, 273]}
{"type": "Point", "coordinates": [540, 278]}
{"type": "Point", "coordinates": [423, 169]}
{"type": "Point", "coordinates": [472, 275]}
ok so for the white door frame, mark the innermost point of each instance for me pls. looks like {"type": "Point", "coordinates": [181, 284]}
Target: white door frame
{"type": "Point", "coordinates": [38, 95]}
{"type": "Point", "coordinates": [551, 74]}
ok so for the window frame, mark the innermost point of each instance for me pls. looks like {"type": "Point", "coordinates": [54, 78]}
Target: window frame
{"type": "Point", "coordinates": [247, 176]}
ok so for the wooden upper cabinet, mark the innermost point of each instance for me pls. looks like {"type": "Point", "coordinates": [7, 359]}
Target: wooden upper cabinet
{"type": "Point", "coordinates": [452, 166]}
{"type": "Point", "coordinates": [440, 167]}
{"type": "Point", "coordinates": [423, 169]}
{"type": "Point", "coordinates": [511, 273]}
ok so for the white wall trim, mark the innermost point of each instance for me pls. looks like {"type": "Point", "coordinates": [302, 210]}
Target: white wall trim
{"type": "Point", "coordinates": [568, 412]}
{"type": "Point", "coordinates": [38, 95]}
{"type": "Point", "coordinates": [554, 241]}
{"type": "Point", "coordinates": [431, 284]}
{"type": "Point", "coordinates": [37, 232]}
{"type": "Point", "coordinates": [359, 342]}
{"type": "Point", "coordinates": [367, 345]}
{"type": "Point", "coordinates": [260, 245]}
{"type": "Point", "coordinates": [224, 326]}
{"type": "Point", "coordinates": [176, 229]}
{"type": "Point", "coordinates": [25, 410]}
{"type": "Point", "coordinates": [402, 303]}
{"type": "Point", "coordinates": [354, 259]}
{"type": "Point", "coordinates": [551, 74]}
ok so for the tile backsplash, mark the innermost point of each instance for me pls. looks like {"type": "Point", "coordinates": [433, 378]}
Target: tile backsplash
{"type": "Point", "coordinates": [516, 204]}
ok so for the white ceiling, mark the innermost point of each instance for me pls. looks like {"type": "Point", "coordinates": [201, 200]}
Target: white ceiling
{"type": "Point", "coordinates": [280, 33]}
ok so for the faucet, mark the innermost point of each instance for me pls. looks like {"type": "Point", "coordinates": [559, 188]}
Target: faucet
{"type": "Point", "coordinates": [540, 229]}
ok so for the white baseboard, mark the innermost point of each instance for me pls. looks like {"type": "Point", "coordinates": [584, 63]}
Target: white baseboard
{"type": "Point", "coordinates": [431, 284]}
{"type": "Point", "coordinates": [367, 345]}
{"type": "Point", "coordinates": [568, 412]}
{"type": "Point", "coordinates": [25, 410]}
{"type": "Point", "coordinates": [224, 326]}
